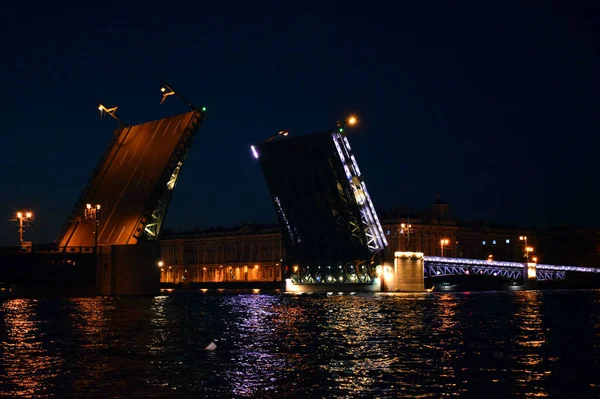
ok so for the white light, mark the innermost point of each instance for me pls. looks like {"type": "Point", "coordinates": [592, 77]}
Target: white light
{"type": "Point", "coordinates": [494, 242]}
{"type": "Point", "coordinates": [507, 241]}
{"type": "Point", "coordinates": [254, 152]}
{"type": "Point", "coordinates": [483, 242]}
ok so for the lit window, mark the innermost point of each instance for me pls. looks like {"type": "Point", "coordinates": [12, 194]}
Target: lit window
{"type": "Point", "coordinates": [388, 232]}
{"type": "Point", "coordinates": [507, 241]}
{"type": "Point", "coordinates": [483, 242]}
{"type": "Point", "coordinates": [494, 242]}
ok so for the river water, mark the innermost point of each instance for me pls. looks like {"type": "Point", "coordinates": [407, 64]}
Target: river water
{"type": "Point", "coordinates": [484, 344]}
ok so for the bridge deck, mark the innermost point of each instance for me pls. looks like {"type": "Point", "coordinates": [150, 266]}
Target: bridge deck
{"type": "Point", "coordinates": [430, 260]}
{"type": "Point", "coordinates": [125, 182]}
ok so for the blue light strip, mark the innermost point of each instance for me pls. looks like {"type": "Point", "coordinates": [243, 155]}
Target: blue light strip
{"type": "Point", "coordinates": [495, 263]}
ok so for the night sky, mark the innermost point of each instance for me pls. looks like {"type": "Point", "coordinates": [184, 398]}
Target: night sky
{"type": "Point", "coordinates": [494, 107]}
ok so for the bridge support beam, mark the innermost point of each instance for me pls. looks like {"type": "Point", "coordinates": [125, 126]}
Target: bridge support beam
{"type": "Point", "coordinates": [530, 276]}
{"type": "Point", "coordinates": [128, 269]}
{"type": "Point", "coordinates": [407, 274]}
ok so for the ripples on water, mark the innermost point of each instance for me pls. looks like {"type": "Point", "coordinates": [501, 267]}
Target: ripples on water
{"type": "Point", "coordinates": [495, 344]}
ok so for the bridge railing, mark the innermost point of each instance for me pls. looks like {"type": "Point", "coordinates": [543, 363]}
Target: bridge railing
{"type": "Point", "coordinates": [430, 260]}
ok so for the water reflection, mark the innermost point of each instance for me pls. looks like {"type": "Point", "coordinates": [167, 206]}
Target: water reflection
{"type": "Point", "coordinates": [272, 346]}
{"type": "Point", "coordinates": [28, 368]}
{"type": "Point", "coordinates": [531, 338]}
{"type": "Point", "coordinates": [259, 361]}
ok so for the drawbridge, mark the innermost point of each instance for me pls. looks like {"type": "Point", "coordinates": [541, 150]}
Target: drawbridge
{"type": "Point", "coordinates": [330, 228]}
{"type": "Point", "coordinates": [132, 184]}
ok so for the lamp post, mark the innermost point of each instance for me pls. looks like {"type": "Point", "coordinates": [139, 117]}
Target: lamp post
{"type": "Point", "coordinates": [23, 215]}
{"type": "Point", "coordinates": [405, 229]}
{"type": "Point", "coordinates": [524, 239]}
{"type": "Point", "coordinates": [93, 212]}
{"type": "Point", "coordinates": [443, 241]}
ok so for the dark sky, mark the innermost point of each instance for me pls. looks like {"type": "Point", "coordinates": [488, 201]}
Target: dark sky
{"type": "Point", "coordinates": [493, 106]}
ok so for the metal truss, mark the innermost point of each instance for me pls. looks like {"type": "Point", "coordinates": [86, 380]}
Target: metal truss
{"type": "Point", "coordinates": [156, 218]}
{"type": "Point", "coordinates": [513, 273]}
{"type": "Point", "coordinates": [376, 240]}
{"type": "Point", "coordinates": [156, 208]}
{"type": "Point", "coordinates": [350, 273]}
{"type": "Point", "coordinates": [502, 264]}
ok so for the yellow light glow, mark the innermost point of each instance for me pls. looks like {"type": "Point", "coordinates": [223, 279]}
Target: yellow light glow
{"type": "Point", "coordinates": [402, 225]}
{"type": "Point", "coordinates": [98, 206]}
{"type": "Point", "coordinates": [19, 215]}
{"type": "Point", "coordinates": [161, 263]}
{"type": "Point", "coordinates": [88, 206]}
{"type": "Point", "coordinates": [352, 120]}
{"type": "Point", "coordinates": [162, 89]}
{"type": "Point", "coordinates": [29, 215]}
{"type": "Point", "coordinates": [100, 107]}
{"type": "Point", "coordinates": [535, 259]}
{"type": "Point", "coordinates": [522, 238]}
{"type": "Point", "coordinates": [444, 241]}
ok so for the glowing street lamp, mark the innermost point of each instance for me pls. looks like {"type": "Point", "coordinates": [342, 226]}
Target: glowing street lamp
{"type": "Point", "coordinates": [352, 120]}
{"type": "Point", "coordinates": [405, 229]}
{"type": "Point", "coordinates": [281, 133]}
{"type": "Point", "coordinates": [93, 212]}
{"type": "Point", "coordinates": [108, 111]}
{"type": "Point", "coordinates": [443, 241]}
{"type": "Point", "coordinates": [23, 216]}
{"type": "Point", "coordinates": [524, 239]}
{"type": "Point", "coordinates": [160, 263]}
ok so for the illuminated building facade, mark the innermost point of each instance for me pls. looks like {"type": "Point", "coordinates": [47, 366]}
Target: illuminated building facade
{"type": "Point", "coordinates": [254, 252]}
{"type": "Point", "coordinates": [246, 253]}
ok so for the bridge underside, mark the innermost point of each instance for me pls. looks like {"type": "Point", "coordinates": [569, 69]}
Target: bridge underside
{"type": "Point", "coordinates": [330, 228]}
{"type": "Point", "coordinates": [132, 183]}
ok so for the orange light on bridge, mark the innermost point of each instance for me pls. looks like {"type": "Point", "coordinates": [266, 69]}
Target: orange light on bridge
{"type": "Point", "coordinates": [352, 120]}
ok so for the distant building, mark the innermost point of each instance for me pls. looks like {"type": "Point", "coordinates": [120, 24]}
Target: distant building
{"type": "Point", "coordinates": [254, 252]}
{"type": "Point", "coordinates": [243, 253]}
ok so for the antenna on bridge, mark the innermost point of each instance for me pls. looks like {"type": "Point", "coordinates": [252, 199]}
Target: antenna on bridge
{"type": "Point", "coordinates": [168, 90]}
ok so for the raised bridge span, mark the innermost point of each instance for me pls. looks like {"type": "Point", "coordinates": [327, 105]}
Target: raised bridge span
{"type": "Point", "coordinates": [132, 184]}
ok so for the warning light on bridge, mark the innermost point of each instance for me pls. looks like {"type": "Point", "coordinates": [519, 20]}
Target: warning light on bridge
{"type": "Point", "coordinates": [203, 109]}
{"type": "Point", "coordinates": [352, 120]}
{"type": "Point", "coordinates": [254, 152]}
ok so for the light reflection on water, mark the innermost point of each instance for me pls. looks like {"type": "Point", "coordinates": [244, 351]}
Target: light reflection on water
{"type": "Point", "coordinates": [363, 345]}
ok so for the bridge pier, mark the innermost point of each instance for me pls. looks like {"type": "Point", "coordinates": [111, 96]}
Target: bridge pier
{"type": "Point", "coordinates": [530, 276]}
{"type": "Point", "coordinates": [407, 274]}
{"type": "Point", "coordinates": [128, 269]}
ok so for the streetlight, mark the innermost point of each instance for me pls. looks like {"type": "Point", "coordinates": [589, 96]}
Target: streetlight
{"type": "Point", "coordinates": [281, 133]}
{"type": "Point", "coordinates": [405, 228]}
{"type": "Point", "coordinates": [527, 251]}
{"type": "Point", "coordinates": [443, 241]}
{"type": "Point", "coordinates": [160, 263]}
{"type": "Point", "coordinates": [93, 212]}
{"type": "Point", "coordinates": [352, 120]}
{"type": "Point", "coordinates": [23, 216]}
{"type": "Point", "coordinates": [524, 239]}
